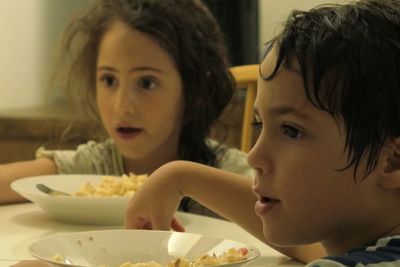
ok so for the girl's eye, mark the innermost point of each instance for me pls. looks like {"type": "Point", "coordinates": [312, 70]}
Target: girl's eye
{"type": "Point", "coordinates": [147, 83]}
{"type": "Point", "coordinates": [108, 80]}
{"type": "Point", "coordinates": [291, 131]}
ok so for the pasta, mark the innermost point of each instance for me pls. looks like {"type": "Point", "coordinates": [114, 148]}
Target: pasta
{"type": "Point", "coordinates": [230, 256]}
{"type": "Point", "coordinates": [126, 185]}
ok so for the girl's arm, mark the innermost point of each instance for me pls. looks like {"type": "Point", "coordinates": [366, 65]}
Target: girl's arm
{"type": "Point", "coordinates": [228, 194]}
{"type": "Point", "coordinates": [14, 171]}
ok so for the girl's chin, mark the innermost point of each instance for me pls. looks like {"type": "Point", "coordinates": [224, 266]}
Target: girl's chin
{"type": "Point", "coordinates": [131, 156]}
{"type": "Point", "coordinates": [132, 153]}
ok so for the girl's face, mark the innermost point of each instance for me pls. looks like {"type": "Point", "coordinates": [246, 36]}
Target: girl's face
{"type": "Point", "coordinates": [304, 195]}
{"type": "Point", "coordinates": [140, 97]}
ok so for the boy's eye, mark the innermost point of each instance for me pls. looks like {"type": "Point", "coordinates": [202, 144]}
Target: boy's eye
{"type": "Point", "coordinates": [108, 80]}
{"type": "Point", "coordinates": [291, 131]}
{"type": "Point", "coordinates": [256, 123]}
{"type": "Point", "coordinates": [147, 83]}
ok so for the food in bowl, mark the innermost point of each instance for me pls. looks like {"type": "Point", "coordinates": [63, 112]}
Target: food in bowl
{"type": "Point", "coordinates": [232, 255]}
{"type": "Point", "coordinates": [141, 248]}
{"type": "Point", "coordinates": [80, 209]}
{"type": "Point", "coordinates": [126, 185]}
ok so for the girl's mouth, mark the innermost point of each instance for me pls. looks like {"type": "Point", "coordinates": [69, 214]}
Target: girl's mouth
{"type": "Point", "coordinates": [128, 132]}
{"type": "Point", "coordinates": [127, 129]}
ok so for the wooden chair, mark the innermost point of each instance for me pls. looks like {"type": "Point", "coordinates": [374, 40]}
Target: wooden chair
{"type": "Point", "coordinates": [246, 78]}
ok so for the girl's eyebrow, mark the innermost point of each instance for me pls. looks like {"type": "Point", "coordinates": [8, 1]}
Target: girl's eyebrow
{"type": "Point", "coordinates": [144, 68]}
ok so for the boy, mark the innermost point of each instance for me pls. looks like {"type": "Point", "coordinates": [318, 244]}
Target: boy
{"type": "Point", "coordinates": [328, 104]}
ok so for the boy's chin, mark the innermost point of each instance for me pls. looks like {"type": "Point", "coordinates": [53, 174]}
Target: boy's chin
{"type": "Point", "coordinates": [279, 238]}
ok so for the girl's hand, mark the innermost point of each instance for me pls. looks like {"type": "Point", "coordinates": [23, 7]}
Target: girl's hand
{"type": "Point", "coordinates": [153, 206]}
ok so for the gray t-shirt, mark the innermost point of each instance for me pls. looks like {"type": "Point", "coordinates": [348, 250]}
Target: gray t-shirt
{"type": "Point", "coordinates": [104, 158]}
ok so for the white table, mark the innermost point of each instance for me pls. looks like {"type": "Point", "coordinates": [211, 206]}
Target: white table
{"type": "Point", "coordinates": [22, 224]}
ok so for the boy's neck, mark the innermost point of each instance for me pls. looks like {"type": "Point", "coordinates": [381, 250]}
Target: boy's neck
{"type": "Point", "coordinates": [332, 248]}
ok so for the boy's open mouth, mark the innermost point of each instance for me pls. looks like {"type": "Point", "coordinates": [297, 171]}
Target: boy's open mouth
{"type": "Point", "coordinates": [268, 200]}
{"type": "Point", "coordinates": [265, 205]}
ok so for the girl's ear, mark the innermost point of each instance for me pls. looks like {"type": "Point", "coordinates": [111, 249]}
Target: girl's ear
{"type": "Point", "coordinates": [390, 176]}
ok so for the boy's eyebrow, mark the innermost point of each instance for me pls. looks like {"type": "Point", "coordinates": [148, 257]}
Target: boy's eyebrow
{"type": "Point", "coordinates": [131, 70]}
{"type": "Point", "coordinates": [284, 110]}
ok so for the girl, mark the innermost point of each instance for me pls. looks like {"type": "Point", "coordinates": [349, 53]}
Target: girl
{"type": "Point", "coordinates": [328, 104]}
{"type": "Point", "coordinates": [156, 80]}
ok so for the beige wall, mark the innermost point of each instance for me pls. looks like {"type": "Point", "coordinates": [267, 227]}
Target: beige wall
{"type": "Point", "coordinates": [29, 30]}
{"type": "Point", "coordinates": [20, 53]}
{"type": "Point", "coordinates": [274, 12]}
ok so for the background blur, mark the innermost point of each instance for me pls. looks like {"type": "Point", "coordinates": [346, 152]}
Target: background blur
{"type": "Point", "coordinates": [29, 30]}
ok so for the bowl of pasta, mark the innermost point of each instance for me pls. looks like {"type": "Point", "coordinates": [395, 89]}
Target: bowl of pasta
{"type": "Point", "coordinates": [140, 248]}
{"type": "Point", "coordinates": [91, 199]}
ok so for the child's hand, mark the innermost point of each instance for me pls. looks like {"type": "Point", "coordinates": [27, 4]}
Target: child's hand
{"type": "Point", "coordinates": [153, 206]}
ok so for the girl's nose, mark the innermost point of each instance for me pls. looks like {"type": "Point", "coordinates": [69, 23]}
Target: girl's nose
{"type": "Point", "coordinates": [125, 101]}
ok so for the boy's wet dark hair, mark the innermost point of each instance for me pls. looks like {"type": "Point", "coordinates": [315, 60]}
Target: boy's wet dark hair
{"type": "Point", "coordinates": [349, 59]}
{"type": "Point", "coordinates": [189, 34]}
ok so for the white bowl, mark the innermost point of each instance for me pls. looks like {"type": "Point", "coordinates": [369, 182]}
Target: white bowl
{"type": "Point", "coordinates": [115, 247]}
{"type": "Point", "coordinates": [72, 209]}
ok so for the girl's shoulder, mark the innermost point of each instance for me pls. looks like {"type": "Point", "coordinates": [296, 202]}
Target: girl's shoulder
{"type": "Point", "coordinates": [231, 159]}
{"type": "Point", "coordinates": [105, 147]}
{"type": "Point", "coordinates": [91, 157]}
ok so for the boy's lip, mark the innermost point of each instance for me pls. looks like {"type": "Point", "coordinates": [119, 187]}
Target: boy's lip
{"type": "Point", "coordinates": [261, 192]}
{"type": "Point", "coordinates": [264, 197]}
{"type": "Point", "coordinates": [265, 202]}
{"type": "Point", "coordinates": [264, 206]}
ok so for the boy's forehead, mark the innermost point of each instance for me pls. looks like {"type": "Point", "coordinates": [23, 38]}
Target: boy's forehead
{"type": "Point", "coordinates": [284, 89]}
{"type": "Point", "coordinates": [266, 68]}
{"type": "Point", "coordinates": [269, 63]}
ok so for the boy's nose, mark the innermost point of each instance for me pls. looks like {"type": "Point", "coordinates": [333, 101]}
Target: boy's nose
{"type": "Point", "coordinates": [259, 159]}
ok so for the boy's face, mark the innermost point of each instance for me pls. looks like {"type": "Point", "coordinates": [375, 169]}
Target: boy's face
{"type": "Point", "coordinates": [139, 96]}
{"type": "Point", "coordinates": [304, 196]}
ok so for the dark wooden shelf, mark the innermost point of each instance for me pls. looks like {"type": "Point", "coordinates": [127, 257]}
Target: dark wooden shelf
{"type": "Point", "coordinates": [23, 131]}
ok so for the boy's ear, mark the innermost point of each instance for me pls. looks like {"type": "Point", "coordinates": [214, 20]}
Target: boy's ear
{"type": "Point", "coordinates": [390, 180]}
{"type": "Point", "coordinates": [390, 175]}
